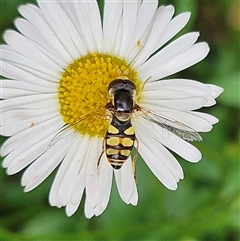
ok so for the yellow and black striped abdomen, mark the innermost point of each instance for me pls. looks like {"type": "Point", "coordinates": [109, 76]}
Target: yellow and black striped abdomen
{"type": "Point", "coordinates": [119, 142]}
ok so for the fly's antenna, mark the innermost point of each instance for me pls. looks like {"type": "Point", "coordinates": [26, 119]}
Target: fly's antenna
{"type": "Point", "coordinates": [143, 86]}
{"type": "Point", "coordinates": [145, 83]}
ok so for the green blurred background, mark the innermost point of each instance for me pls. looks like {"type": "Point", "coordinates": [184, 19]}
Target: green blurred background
{"type": "Point", "coordinates": [206, 204]}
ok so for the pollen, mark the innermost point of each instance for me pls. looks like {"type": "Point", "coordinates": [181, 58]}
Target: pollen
{"type": "Point", "coordinates": [83, 91]}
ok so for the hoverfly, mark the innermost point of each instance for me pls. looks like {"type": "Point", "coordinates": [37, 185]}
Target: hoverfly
{"type": "Point", "coordinates": [120, 137]}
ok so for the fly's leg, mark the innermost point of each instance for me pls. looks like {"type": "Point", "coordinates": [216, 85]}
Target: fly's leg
{"type": "Point", "coordinates": [134, 160]}
{"type": "Point", "coordinates": [103, 150]}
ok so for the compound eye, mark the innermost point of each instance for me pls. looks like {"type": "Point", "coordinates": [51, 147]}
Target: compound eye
{"type": "Point", "coordinates": [130, 85]}
{"type": "Point", "coordinates": [115, 85]}
{"type": "Point", "coordinates": [119, 84]}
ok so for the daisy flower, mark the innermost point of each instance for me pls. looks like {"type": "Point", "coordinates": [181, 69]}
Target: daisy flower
{"type": "Point", "coordinates": [58, 97]}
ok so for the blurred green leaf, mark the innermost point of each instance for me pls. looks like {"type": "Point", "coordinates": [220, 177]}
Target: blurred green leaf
{"type": "Point", "coordinates": [231, 85]}
{"type": "Point", "coordinates": [187, 6]}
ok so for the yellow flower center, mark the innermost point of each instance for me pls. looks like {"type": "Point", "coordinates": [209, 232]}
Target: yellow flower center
{"type": "Point", "coordinates": [83, 91]}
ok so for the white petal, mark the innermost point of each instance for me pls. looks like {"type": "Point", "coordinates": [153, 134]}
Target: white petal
{"type": "Point", "coordinates": [105, 183]}
{"type": "Point", "coordinates": [118, 42]}
{"type": "Point", "coordinates": [94, 18]}
{"type": "Point", "coordinates": [182, 94]}
{"type": "Point", "coordinates": [63, 27]}
{"type": "Point", "coordinates": [22, 157]}
{"type": "Point", "coordinates": [29, 135]}
{"type": "Point", "coordinates": [32, 32]}
{"type": "Point", "coordinates": [71, 208]}
{"type": "Point", "coordinates": [39, 74]}
{"type": "Point", "coordinates": [20, 101]}
{"type": "Point", "coordinates": [98, 211]}
{"type": "Point", "coordinates": [29, 146]}
{"type": "Point", "coordinates": [54, 46]}
{"type": "Point", "coordinates": [125, 181]}
{"type": "Point", "coordinates": [215, 90]}
{"type": "Point", "coordinates": [158, 169]}
{"type": "Point", "coordinates": [11, 56]}
{"type": "Point", "coordinates": [15, 72]}
{"type": "Point", "coordinates": [13, 116]}
{"type": "Point", "coordinates": [79, 186]}
{"type": "Point", "coordinates": [13, 128]}
{"type": "Point", "coordinates": [88, 210]}
{"type": "Point", "coordinates": [69, 170]}
{"type": "Point", "coordinates": [84, 19]}
{"type": "Point", "coordinates": [80, 181]}
{"type": "Point", "coordinates": [44, 104]}
{"type": "Point", "coordinates": [128, 25]}
{"type": "Point", "coordinates": [168, 170]}
{"type": "Point", "coordinates": [92, 173]}
{"type": "Point", "coordinates": [112, 10]}
{"type": "Point", "coordinates": [9, 93]}
{"type": "Point", "coordinates": [43, 166]}
{"type": "Point", "coordinates": [211, 119]}
{"type": "Point", "coordinates": [193, 55]}
{"type": "Point", "coordinates": [27, 48]}
{"type": "Point", "coordinates": [144, 17]}
{"type": "Point", "coordinates": [22, 85]}
{"type": "Point", "coordinates": [134, 198]}
{"type": "Point", "coordinates": [175, 48]}
{"type": "Point", "coordinates": [173, 27]}
{"type": "Point", "coordinates": [184, 85]}
{"type": "Point", "coordinates": [192, 103]}
{"type": "Point", "coordinates": [72, 11]}
{"type": "Point", "coordinates": [163, 18]}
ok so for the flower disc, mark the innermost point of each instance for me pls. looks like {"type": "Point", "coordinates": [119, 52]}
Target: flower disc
{"type": "Point", "coordinates": [83, 91]}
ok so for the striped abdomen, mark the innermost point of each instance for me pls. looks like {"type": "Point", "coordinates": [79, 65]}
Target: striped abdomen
{"type": "Point", "coordinates": [119, 142]}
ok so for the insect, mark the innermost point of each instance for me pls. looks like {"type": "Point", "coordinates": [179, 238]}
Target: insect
{"type": "Point", "coordinates": [120, 137]}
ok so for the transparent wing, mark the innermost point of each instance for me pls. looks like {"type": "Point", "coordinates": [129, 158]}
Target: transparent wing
{"type": "Point", "coordinates": [68, 131]}
{"type": "Point", "coordinates": [65, 132]}
{"type": "Point", "coordinates": [178, 128]}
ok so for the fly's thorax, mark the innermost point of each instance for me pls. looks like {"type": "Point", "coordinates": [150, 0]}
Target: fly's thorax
{"type": "Point", "coordinates": [123, 101]}
{"type": "Point", "coordinates": [122, 92]}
